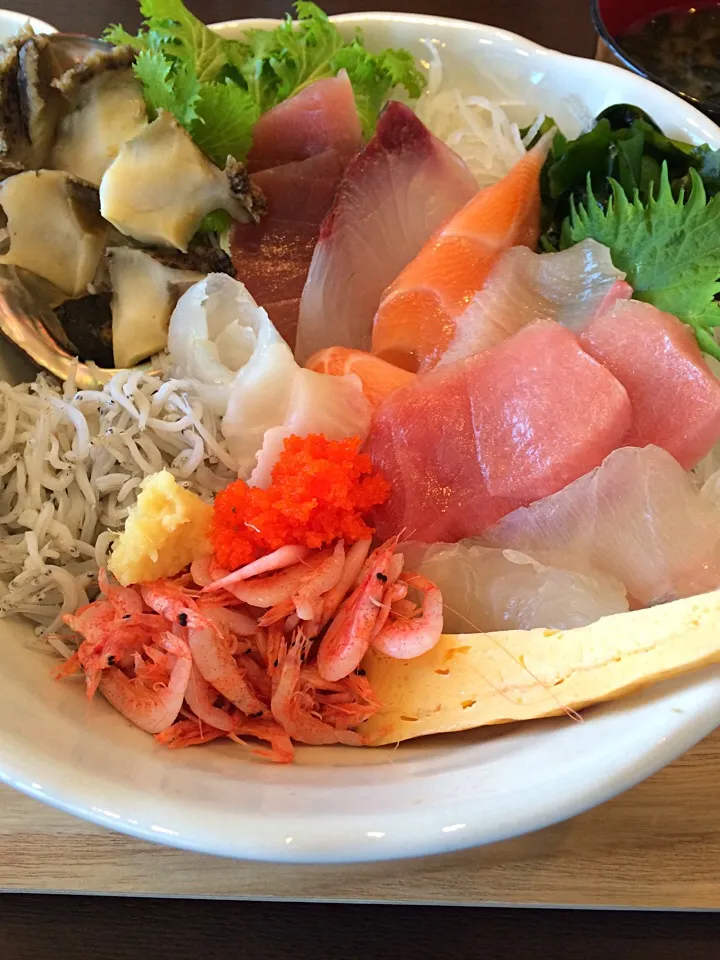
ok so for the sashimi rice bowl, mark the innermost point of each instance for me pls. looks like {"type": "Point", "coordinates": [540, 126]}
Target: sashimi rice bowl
{"type": "Point", "coordinates": [390, 387]}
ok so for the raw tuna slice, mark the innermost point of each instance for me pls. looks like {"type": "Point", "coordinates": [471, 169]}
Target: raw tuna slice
{"type": "Point", "coordinates": [394, 195]}
{"type": "Point", "coordinates": [272, 257]}
{"type": "Point", "coordinates": [571, 287]}
{"type": "Point", "coordinates": [468, 443]}
{"type": "Point", "coordinates": [487, 589]}
{"type": "Point", "coordinates": [639, 517]}
{"type": "Point", "coordinates": [321, 117]}
{"type": "Point", "coordinates": [674, 395]}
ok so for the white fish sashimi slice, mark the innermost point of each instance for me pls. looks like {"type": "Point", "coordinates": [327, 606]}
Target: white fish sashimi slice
{"type": "Point", "coordinates": [318, 403]}
{"type": "Point", "coordinates": [215, 330]}
{"type": "Point", "coordinates": [486, 589]}
{"type": "Point", "coordinates": [396, 192]}
{"type": "Point", "coordinates": [570, 287]}
{"type": "Point", "coordinates": [638, 517]}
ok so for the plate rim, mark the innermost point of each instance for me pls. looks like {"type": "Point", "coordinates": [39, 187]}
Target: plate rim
{"type": "Point", "coordinates": [411, 842]}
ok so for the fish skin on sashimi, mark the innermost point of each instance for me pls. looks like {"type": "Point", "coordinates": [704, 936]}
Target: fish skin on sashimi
{"type": "Point", "coordinates": [570, 287]}
{"type": "Point", "coordinates": [272, 257]}
{"type": "Point", "coordinates": [470, 442]}
{"type": "Point", "coordinates": [674, 394]}
{"type": "Point", "coordinates": [321, 117]}
{"type": "Point", "coordinates": [417, 318]}
{"type": "Point", "coordinates": [395, 193]}
{"type": "Point", "coordinates": [639, 517]}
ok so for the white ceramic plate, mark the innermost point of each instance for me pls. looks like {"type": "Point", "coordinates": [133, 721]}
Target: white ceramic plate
{"type": "Point", "coordinates": [338, 804]}
{"type": "Point", "coordinates": [12, 22]}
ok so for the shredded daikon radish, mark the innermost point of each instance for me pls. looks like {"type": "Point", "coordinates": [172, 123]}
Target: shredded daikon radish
{"type": "Point", "coordinates": [71, 464]}
{"type": "Point", "coordinates": [477, 128]}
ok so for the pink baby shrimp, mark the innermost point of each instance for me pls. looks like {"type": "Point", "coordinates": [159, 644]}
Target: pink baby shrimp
{"type": "Point", "coordinates": [354, 562]}
{"type": "Point", "coordinates": [214, 659]}
{"type": "Point", "coordinates": [348, 636]}
{"type": "Point", "coordinates": [200, 696]}
{"type": "Point", "coordinates": [280, 587]}
{"type": "Point", "coordinates": [153, 708]}
{"type": "Point", "coordinates": [306, 603]}
{"type": "Point", "coordinates": [188, 733]}
{"type": "Point", "coordinates": [124, 600]}
{"type": "Point", "coordinates": [293, 708]}
{"type": "Point", "coordinates": [277, 560]}
{"type": "Point", "coordinates": [405, 639]}
{"type": "Point", "coordinates": [169, 599]}
{"type": "Point", "coordinates": [281, 748]}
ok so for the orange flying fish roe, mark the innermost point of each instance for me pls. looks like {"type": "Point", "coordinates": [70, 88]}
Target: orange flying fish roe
{"type": "Point", "coordinates": [320, 491]}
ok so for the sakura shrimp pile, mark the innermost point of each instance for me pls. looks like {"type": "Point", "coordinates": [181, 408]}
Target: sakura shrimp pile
{"type": "Point", "coordinates": [271, 651]}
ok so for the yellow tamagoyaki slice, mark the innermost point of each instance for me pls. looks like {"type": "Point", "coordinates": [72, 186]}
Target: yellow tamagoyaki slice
{"type": "Point", "coordinates": [475, 680]}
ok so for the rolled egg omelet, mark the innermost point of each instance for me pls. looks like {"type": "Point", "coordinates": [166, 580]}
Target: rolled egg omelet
{"type": "Point", "coordinates": [475, 680]}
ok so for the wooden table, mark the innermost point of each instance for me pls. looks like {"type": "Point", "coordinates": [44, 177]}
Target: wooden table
{"type": "Point", "coordinates": [657, 846]}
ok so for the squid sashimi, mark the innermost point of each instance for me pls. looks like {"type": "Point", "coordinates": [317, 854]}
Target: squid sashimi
{"type": "Point", "coordinates": [419, 313]}
{"type": "Point", "coordinates": [570, 287]}
{"type": "Point", "coordinates": [378, 377]}
{"type": "Point", "coordinates": [487, 589]}
{"type": "Point", "coordinates": [674, 394]}
{"type": "Point", "coordinates": [638, 517]}
{"type": "Point", "coordinates": [335, 407]}
{"type": "Point", "coordinates": [272, 257]}
{"type": "Point", "coordinates": [466, 444]}
{"type": "Point", "coordinates": [394, 195]}
{"type": "Point", "coordinates": [321, 117]}
{"type": "Point", "coordinates": [246, 372]}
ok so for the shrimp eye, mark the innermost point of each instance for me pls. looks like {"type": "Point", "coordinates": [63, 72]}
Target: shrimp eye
{"type": "Point", "coordinates": [182, 619]}
{"type": "Point", "coordinates": [111, 660]}
{"type": "Point", "coordinates": [381, 577]}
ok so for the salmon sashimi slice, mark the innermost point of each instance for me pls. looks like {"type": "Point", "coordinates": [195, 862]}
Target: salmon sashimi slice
{"type": "Point", "coordinates": [378, 377]}
{"type": "Point", "coordinates": [468, 443]}
{"type": "Point", "coordinates": [417, 317]}
{"type": "Point", "coordinates": [674, 395]}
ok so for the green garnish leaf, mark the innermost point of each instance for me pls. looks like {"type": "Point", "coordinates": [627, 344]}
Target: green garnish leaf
{"type": "Point", "coordinates": [226, 115]}
{"type": "Point", "coordinates": [217, 88]}
{"type": "Point", "coordinates": [216, 222]}
{"type": "Point", "coordinates": [375, 76]}
{"type": "Point", "coordinates": [119, 37]}
{"type": "Point", "coordinates": [669, 247]}
{"type": "Point", "coordinates": [168, 86]}
{"type": "Point", "coordinates": [185, 37]}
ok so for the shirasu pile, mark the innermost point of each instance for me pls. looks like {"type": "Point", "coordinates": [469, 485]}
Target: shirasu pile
{"type": "Point", "coordinates": [71, 464]}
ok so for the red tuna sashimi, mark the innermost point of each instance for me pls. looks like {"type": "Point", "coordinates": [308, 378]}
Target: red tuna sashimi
{"type": "Point", "coordinates": [674, 395]}
{"type": "Point", "coordinates": [321, 117]}
{"type": "Point", "coordinates": [272, 257]}
{"type": "Point", "coordinates": [639, 517]}
{"type": "Point", "coordinates": [470, 442]}
{"type": "Point", "coordinates": [403, 186]}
